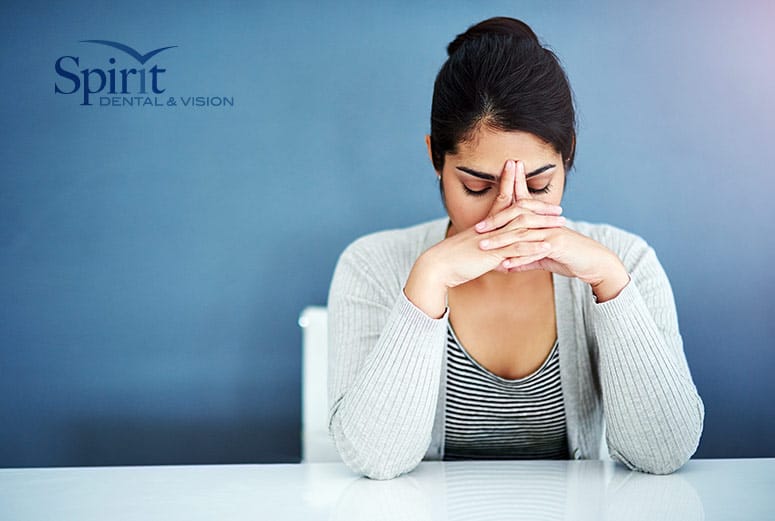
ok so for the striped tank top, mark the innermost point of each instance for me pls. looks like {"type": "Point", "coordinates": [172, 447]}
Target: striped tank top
{"type": "Point", "coordinates": [490, 417]}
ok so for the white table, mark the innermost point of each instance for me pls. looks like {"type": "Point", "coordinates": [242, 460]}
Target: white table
{"type": "Point", "coordinates": [513, 490]}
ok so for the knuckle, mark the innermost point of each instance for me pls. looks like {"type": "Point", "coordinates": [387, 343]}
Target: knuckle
{"type": "Point", "coordinates": [535, 248]}
{"type": "Point", "coordinates": [518, 249]}
{"type": "Point", "coordinates": [497, 257]}
{"type": "Point", "coordinates": [517, 234]}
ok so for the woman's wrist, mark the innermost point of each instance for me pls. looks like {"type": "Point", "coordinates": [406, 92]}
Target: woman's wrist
{"type": "Point", "coordinates": [612, 280]}
{"type": "Point", "coordinates": [425, 289]}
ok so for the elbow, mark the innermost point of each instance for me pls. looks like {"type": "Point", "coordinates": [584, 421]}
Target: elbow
{"type": "Point", "coordinates": [372, 460]}
{"type": "Point", "coordinates": [372, 463]}
{"type": "Point", "coordinates": [661, 463]}
{"type": "Point", "coordinates": [666, 455]}
{"type": "Point", "coordinates": [381, 473]}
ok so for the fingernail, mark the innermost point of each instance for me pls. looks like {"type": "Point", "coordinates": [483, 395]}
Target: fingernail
{"type": "Point", "coordinates": [481, 226]}
{"type": "Point", "coordinates": [561, 220]}
{"type": "Point", "coordinates": [506, 263]}
{"type": "Point", "coordinates": [484, 243]}
{"type": "Point", "coordinates": [546, 246]}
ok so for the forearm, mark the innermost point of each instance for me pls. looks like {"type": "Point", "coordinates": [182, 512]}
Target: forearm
{"type": "Point", "coordinates": [385, 377]}
{"type": "Point", "coordinates": [653, 413]}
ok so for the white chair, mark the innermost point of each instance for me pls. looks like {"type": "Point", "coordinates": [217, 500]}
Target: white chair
{"type": "Point", "coordinates": [316, 445]}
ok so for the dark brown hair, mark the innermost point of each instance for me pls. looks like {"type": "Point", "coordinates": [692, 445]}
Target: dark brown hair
{"type": "Point", "coordinates": [498, 74]}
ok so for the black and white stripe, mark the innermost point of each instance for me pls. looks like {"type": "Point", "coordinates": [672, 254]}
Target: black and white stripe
{"type": "Point", "coordinates": [489, 417]}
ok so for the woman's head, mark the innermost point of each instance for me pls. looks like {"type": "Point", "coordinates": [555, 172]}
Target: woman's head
{"type": "Point", "coordinates": [498, 78]}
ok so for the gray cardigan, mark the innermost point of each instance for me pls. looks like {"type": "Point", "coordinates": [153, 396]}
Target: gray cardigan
{"type": "Point", "coordinates": [621, 362]}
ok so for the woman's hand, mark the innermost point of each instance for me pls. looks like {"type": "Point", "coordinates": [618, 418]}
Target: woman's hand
{"type": "Point", "coordinates": [459, 259]}
{"type": "Point", "coordinates": [570, 253]}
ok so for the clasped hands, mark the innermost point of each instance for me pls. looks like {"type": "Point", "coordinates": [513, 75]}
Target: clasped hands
{"type": "Point", "coordinates": [523, 233]}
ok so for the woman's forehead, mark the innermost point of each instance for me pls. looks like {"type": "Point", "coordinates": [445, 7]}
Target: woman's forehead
{"type": "Point", "coordinates": [496, 145]}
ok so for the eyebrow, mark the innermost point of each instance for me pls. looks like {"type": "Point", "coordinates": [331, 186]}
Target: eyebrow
{"type": "Point", "coordinates": [490, 177]}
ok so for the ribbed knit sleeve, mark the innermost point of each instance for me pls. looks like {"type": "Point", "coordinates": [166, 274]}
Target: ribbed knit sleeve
{"type": "Point", "coordinates": [654, 416]}
{"type": "Point", "coordinates": [385, 362]}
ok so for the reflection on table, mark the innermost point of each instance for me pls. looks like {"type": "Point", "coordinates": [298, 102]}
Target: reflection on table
{"type": "Point", "coordinates": [547, 490]}
{"type": "Point", "coordinates": [492, 490]}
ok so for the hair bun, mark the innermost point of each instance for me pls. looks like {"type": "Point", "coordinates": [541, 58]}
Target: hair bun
{"type": "Point", "coordinates": [500, 25]}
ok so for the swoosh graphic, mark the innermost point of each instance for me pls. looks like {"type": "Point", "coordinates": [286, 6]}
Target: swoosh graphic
{"type": "Point", "coordinates": [142, 58]}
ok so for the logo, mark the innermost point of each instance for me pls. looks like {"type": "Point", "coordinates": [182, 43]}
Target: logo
{"type": "Point", "coordinates": [122, 84]}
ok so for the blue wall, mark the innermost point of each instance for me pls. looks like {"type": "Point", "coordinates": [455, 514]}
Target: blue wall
{"type": "Point", "coordinates": [154, 260]}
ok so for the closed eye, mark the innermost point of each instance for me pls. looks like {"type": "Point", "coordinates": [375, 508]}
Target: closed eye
{"type": "Point", "coordinates": [544, 190]}
{"type": "Point", "coordinates": [476, 193]}
{"type": "Point", "coordinates": [541, 173]}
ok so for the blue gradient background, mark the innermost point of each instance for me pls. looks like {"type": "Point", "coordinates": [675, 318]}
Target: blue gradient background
{"type": "Point", "coordinates": [153, 262]}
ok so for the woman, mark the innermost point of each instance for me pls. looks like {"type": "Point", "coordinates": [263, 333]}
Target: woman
{"type": "Point", "coordinates": [505, 330]}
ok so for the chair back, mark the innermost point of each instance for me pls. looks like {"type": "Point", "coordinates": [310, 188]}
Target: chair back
{"type": "Point", "coordinates": [317, 446]}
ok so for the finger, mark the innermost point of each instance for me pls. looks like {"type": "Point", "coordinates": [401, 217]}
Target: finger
{"type": "Point", "coordinates": [507, 215]}
{"type": "Point", "coordinates": [493, 222]}
{"type": "Point", "coordinates": [539, 206]}
{"type": "Point", "coordinates": [535, 265]}
{"type": "Point", "coordinates": [520, 183]}
{"type": "Point", "coordinates": [531, 233]}
{"type": "Point", "coordinates": [505, 194]}
{"type": "Point", "coordinates": [515, 263]}
{"type": "Point", "coordinates": [506, 188]}
{"type": "Point", "coordinates": [522, 249]}
{"type": "Point", "coordinates": [500, 268]}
